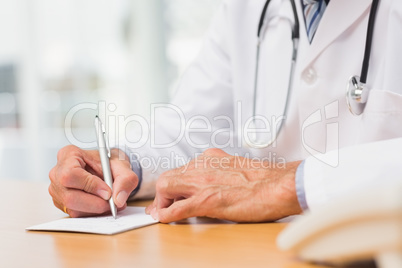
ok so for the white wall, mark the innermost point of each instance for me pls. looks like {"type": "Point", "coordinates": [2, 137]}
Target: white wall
{"type": "Point", "coordinates": [70, 52]}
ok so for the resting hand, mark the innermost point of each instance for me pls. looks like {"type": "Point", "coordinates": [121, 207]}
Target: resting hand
{"type": "Point", "coordinates": [222, 186]}
{"type": "Point", "coordinates": [77, 187]}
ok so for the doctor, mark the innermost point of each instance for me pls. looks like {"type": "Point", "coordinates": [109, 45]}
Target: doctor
{"type": "Point", "coordinates": [281, 139]}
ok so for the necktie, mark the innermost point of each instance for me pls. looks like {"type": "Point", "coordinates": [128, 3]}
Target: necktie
{"type": "Point", "coordinates": [313, 11]}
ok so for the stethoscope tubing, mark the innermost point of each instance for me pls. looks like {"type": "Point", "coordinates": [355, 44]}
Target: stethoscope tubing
{"type": "Point", "coordinates": [369, 42]}
{"type": "Point", "coordinates": [295, 43]}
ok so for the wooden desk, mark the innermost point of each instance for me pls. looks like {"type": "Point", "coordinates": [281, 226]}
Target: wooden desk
{"type": "Point", "coordinates": [197, 242]}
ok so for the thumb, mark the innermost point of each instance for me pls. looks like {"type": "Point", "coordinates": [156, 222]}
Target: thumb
{"type": "Point", "coordinates": [125, 179]}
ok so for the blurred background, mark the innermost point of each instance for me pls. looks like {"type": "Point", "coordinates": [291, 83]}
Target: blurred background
{"type": "Point", "coordinates": [57, 55]}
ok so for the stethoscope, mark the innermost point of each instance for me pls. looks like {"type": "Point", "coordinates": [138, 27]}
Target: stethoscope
{"type": "Point", "coordinates": [356, 90]}
{"type": "Point", "coordinates": [356, 93]}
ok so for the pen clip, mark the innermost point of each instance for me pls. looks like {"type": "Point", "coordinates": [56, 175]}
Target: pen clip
{"type": "Point", "coordinates": [107, 143]}
{"type": "Point", "coordinates": [106, 139]}
{"type": "Point", "coordinates": [100, 128]}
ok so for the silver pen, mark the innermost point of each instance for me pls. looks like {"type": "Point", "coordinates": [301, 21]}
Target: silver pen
{"type": "Point", "coordinates": [104, 153]}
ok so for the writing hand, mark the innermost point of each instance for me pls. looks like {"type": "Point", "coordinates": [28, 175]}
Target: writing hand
{"type": "Point", "coordinates": [77, 186]}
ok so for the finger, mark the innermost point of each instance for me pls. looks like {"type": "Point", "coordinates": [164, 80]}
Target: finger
{"type": "Point", "coordinates": [58, 205]}
{"type": "Point", "coordinates": [77, 200]}
{"type": "Point", "coordinates": [177, 211]}
{"type": "Point", "coordinates": [92, 162]}
{"type": "Point", "coordinates": [71, 156]}
{"type": "Point", "coordinates": [57, 192]}
{"type": "Point", "coordinates": [163, 202]}
{"type": "Point", "coordinates": [159, 201]}
{"type": "Point", "coordinates": [149, 208]}
{"type": "Point", "coordinates": [52, 174]}
{"type": "Point", "coordinates": [80, 214]}
{"type": "Point", "coordinates": [80, 179]}
{"type": "Point", "coordinates": [153, 210]}
{"type": "Point", "coordinates": [171, 185]}
{"type": "Point", "coordinates": [125, 180]}
{"type": "Point", "coordinates": [54, 193]}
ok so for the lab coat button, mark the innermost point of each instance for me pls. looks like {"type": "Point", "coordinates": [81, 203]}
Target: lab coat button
{"type": "Point", "coordinates": [309, 76]}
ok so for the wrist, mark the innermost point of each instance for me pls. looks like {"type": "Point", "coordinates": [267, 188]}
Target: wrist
{"type": "Point", "coordinates": [281, 195]}
{"type": "Point", "coordinates": [289, 181]}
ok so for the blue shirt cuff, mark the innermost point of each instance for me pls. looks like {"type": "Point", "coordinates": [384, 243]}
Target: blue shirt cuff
{"type": "Point", "coordinates": [300, 192]}
{"type": "Point", "coordinates": [135, 164]}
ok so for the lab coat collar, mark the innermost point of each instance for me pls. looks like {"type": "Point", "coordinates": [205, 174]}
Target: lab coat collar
{"type": "Point", "coordinates": [338, 17]}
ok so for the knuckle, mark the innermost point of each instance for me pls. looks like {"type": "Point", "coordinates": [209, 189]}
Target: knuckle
{"type": "Point", "coordinates": [132, 180]}
{"type": "Point", "coordinates": [188, 166]}
{"type": "Point", "coordinates": [56, 204]}
{"type": "Point", "coordinates": [128, 179]}
{"type": "Point", "coordinates": [64, 177]}
{"type": "Point", "coordinates": [185, 168]}
{"type": "Point", "coordinates": [66, 150]}
{"type": "Point", "coordinates": [175, 172]}
{"type": "Point", "coordinates": [52, 174]}
{"type": "Point", "coordinates": [51, 191]}
{"type": "Point", "coordinates": [161, 184]}
{"type": "Point", "coordinates": [212, 151]}
{"type": "Point", "coordinates": [119, 155]}
{"type": "Point", "coordinates": [90, 184]}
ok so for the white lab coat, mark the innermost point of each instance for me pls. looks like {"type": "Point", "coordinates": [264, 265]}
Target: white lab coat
{"type": "Point", "coordinates": [220, 83]}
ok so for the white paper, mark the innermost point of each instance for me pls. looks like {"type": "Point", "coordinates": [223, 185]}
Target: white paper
{"type": "Point", "coordinates": [128, 219]}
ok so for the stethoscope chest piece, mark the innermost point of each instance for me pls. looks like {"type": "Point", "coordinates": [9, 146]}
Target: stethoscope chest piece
{"type": "Point", "coordinates": [356, 95]}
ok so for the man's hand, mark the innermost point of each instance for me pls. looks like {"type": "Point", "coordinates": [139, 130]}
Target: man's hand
{"type": "Point", "coordinates": [222, 186]}
{"type": "Point", "coordinates": [77, 186]}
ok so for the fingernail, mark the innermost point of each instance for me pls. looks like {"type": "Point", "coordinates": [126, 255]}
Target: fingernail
{"type": "Point", "coordinates": [154, 214]}
{"type": "Point", "coordinates": [104, 194]}
{"type": "Point", "coordinates": [147, 210]}
{"type": "Point", "coordinates": [121, 198]}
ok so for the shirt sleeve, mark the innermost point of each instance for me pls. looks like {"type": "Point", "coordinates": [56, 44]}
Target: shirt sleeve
{"type": "Point", "coordinates": [359, 167]}
{"type": "Point", "coordinates": [135, 164]}
{"type": "Point", "coordinates": [301, 194]}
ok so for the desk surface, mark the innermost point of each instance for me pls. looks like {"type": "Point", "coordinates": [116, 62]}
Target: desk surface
{"type": "Point", "coordinates": [197, 242]}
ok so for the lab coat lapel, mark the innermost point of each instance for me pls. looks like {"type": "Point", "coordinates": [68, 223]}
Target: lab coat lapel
{"type": "Point", "coordinates": [338, 17]}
